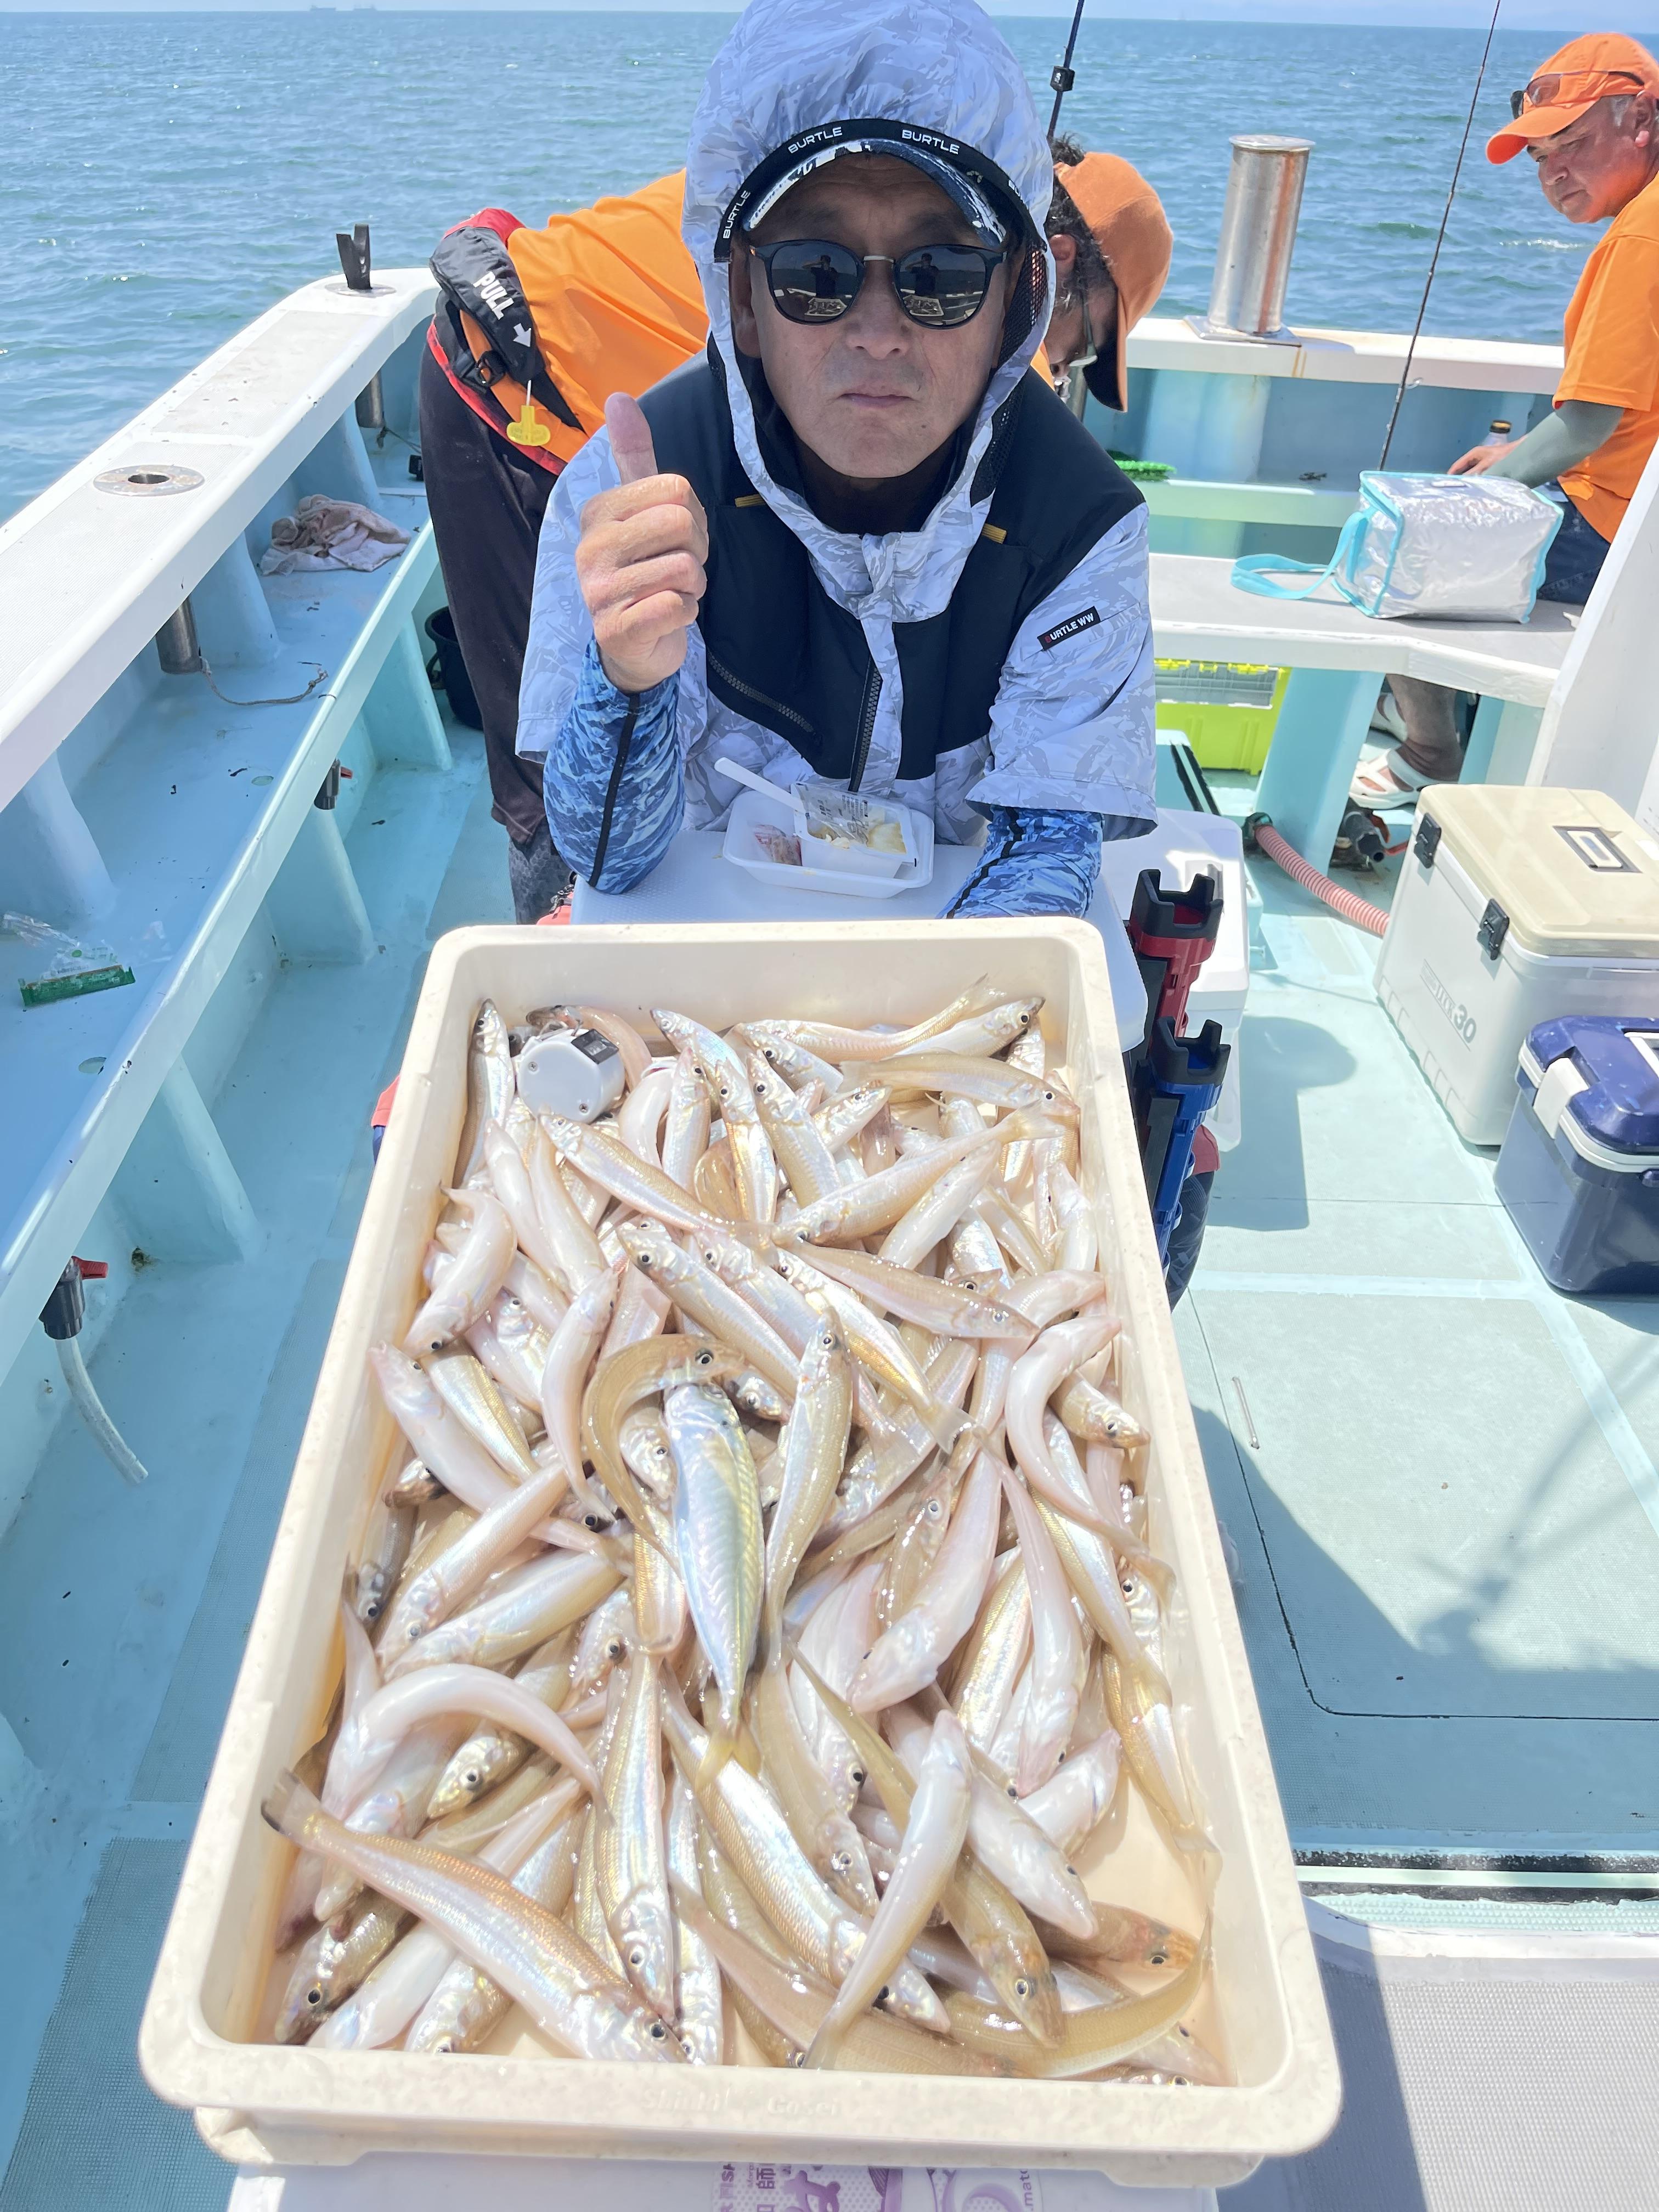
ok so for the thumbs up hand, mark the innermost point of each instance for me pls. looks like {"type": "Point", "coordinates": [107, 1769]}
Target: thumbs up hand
{"type": "Point", "coordinates": [640, 558]}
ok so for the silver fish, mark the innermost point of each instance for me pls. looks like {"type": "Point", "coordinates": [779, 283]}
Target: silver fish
{"type": "Point", "coordinates": [535, 1958]}
{"type": "Point", "coordinates": [698, 2001]}
{"type": "Point", "coordinates": [933, 1837]}
{"type": "Point", "coordinates": [630, 1865]}
{"type": "Point", "coordinates": [490, 1085]}
{"type": "Point", "coordinates": [467, 1286]}
{"type": "Point", "coordinates": [814, 1450]}
{"type": "Point", "coordinates": [718, 1535]}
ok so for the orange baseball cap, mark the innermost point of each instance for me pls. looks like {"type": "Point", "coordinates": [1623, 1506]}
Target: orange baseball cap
{"type": "Point", "coordinates": [1135, 237]}
{"type": "Point", "coordinates": [1596, 67]}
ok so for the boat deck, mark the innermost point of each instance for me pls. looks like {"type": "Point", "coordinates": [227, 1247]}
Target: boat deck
{"type": "Point", "coordinates": [1436, 1473]}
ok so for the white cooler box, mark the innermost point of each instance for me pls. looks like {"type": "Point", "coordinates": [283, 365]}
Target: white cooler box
{"type": "Point", "coordinates": [1514, 906]}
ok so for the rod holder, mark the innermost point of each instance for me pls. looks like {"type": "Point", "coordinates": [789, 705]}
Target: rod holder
{"type": "Point", "coordinates": [1258, 236]}
{"type": "Point", "coordinates": [356, 263]}
{"type": "Point", "coordinates": [176, 644]}
{"type": "Point", "coordinates": [371, 405]}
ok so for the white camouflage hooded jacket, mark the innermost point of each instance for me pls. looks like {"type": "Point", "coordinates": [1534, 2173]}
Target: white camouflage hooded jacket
{"type": "Point", "coordinates": [1071, 724]}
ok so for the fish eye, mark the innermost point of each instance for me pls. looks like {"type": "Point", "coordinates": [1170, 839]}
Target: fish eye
{"type": "Point", "coordinates": [704, 1359]}
{"type": "Point", "coordinates": [859, 1777]}
{"type": "Point", "coordinates": [615, 1649]}
{"type": "Point", "coordinates": [658, 2031]}
{"type": "Point", "coordinates": [840, 1860]}
{"type": "Point", "coordinates": [797, 2058]}
{"type": "Point", "coordinates": [591, 1521]}
{"type": "Point", "coordinates": [1072, 1871]}
{"type": "Point", "coordinates": [372, 1610]}
{"type": "Point", "coordinates": [886, 1993]}
{"type": "Point", "coordinates": [1060, 1761]}
{"type": "Point", "coordinates": [1012, 1792]}
{"type": "Point", "coordinates": [314, 1994]}
{"type": "Point", "coordinates": [636, 1956]}
{"type": "Point", "coordinates": [473, 1778]}
{"type": "Point", "coordinates": [1157, 1959]}
{"type": "Point", "coordinates": [934, 1509]}
{"type": "Point", "coordinates": [1183, 2031]}
{"type": "Point", "coordinates": [1022, 1987]}
{"type": "Point", "coordinates": [445, 2045]}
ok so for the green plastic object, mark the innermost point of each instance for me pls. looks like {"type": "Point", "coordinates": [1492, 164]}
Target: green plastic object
{"type": "Point", "coordinates": [1139, 472]}
{"type": "Point", "coordinates": [1225, 709]}
{"type": "Point", "coordinates": [74, 987]}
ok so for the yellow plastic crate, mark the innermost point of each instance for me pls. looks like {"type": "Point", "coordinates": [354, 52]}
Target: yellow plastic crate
{"type": "Point", "coordinates": [1227, 708]}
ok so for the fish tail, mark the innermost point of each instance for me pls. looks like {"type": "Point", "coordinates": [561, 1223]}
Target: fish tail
{"type": "Point", "coordinates": [719, 1748]}
{"type": "Point", "coordinates": [292, 1810]}
{"type": "Point", "coordinates": [945, 1424]}
{"type": "Point", "coordinates": [824, 2048]}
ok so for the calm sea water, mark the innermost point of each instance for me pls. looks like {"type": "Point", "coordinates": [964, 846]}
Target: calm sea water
{"type": "Point", "coordinates": [169, 176]}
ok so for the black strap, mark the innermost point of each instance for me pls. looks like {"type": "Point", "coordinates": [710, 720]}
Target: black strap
{"type": "Point", "coordinates": [475, 270]}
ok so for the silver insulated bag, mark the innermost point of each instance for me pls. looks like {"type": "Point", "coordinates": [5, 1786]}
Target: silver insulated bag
{"type": "Point", "coordinates": [1466, 548]}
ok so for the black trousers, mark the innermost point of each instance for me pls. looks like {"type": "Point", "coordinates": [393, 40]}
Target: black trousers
{"type": "Point", "coordinates": [486, 501]}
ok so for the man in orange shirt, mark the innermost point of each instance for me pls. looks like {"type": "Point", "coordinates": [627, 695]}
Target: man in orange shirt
{"type": "Point", "coordinates": [1588, 118]}
{"type": "Point", "coordinates": [535, 328]}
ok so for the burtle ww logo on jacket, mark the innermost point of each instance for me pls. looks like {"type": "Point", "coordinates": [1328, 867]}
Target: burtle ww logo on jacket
{"type": "Point", "coordinates": [1088, 619]}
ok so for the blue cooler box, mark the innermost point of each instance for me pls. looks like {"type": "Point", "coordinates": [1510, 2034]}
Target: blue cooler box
{"type": "Point", "coordinates": [1579, 1170]}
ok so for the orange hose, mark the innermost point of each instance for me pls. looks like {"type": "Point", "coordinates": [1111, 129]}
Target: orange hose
{"type": "Point", "coordinates": [1351, 908]}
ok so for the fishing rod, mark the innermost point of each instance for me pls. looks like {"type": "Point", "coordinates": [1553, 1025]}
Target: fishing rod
{"type": "Point", "coordinates": [1063, 77]}
{"type": "Point", "coordinates": [1445, 217]}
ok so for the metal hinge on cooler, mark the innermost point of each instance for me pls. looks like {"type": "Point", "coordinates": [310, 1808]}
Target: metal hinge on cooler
{"type": "Point", "coordinates": [1494, 927]}
{"type": "Point", "coordinates": [1426, 843]}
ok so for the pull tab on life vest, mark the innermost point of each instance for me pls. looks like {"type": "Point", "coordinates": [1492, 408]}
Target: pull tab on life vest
{"type": "Point", "coordinates": [526, 430]}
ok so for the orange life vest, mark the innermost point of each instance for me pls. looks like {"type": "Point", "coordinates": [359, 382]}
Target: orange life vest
{"type": "Point", "coordinates": [614, 303]}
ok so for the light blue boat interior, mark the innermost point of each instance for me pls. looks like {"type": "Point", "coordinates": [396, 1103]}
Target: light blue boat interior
{"type": "Point", "coordinates": [1436, 1474]}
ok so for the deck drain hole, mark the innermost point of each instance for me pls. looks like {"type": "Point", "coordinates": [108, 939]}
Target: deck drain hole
{"type": "Point", "coordinates": [95, 1066]}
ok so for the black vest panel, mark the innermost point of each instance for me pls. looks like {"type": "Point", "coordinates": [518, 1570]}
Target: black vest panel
{"type": "Point", "coordinates": [779, 650]}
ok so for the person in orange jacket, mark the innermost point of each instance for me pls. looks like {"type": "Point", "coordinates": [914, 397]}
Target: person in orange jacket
{"type": "Point", "coordinates": [1588, 117]}
{"type": "Point", "coordinates": [534, 330]}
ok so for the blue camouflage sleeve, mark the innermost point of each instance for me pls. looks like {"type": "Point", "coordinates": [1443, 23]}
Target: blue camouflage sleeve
{"type": "Point", "coordinates": [614, 783]}
{"type": "Point", "coordinates": [1039, 862]}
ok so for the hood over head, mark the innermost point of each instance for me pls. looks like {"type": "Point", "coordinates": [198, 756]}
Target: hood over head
{"type": "Point", "coordinates": [931, 82]}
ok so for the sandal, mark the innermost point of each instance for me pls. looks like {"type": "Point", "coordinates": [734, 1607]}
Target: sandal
{"type": "Point", "coordinates": [1388, 780]}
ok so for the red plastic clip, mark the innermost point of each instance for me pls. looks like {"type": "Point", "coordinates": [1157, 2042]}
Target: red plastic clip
{"type": "Point", "coordinates": [91, 1271]}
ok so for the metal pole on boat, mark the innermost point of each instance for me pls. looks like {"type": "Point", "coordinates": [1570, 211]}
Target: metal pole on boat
{"type": "Point", "coordinates": [371, 406]}
{"type": "Point", "coordinates": [176, 643]}
{"type": "Point", "coordinates": [1258, 235]}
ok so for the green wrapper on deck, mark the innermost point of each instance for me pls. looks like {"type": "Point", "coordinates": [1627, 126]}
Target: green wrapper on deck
{"type": "Point", "coordinates": [53, 987]}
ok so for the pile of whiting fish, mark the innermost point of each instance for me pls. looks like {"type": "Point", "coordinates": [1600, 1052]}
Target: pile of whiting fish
{"type": "Point", "coordinates": [765, 1624]}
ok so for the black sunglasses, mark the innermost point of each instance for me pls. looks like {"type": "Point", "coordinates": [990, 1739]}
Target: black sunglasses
{"type": "Point", "coordinates": [812, 280]}
{"type": "Point", "coordinates": [1545, 91]}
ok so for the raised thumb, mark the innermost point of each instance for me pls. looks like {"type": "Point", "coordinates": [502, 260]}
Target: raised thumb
{"type": "Point", "coordinates": [630, 438]}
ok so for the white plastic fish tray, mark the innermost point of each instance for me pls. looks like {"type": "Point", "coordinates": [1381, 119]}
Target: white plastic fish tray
{"type": "Point", "coordinates": [259, 2102]}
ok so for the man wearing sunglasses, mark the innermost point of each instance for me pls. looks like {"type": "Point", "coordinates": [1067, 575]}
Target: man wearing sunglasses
{"type": "Point", "coordinates": [857, 540]}
{"type": "Point", "coordinates": [1588, 118]}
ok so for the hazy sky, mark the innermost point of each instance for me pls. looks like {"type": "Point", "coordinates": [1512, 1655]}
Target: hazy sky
{"type": "Point", "coordinates": [1568, 16]}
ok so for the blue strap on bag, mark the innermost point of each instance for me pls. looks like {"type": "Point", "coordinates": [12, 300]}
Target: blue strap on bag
{"type": "Point", "coordinates": [1462, 548]}
{"type": "Point", "coordinates": [1254, 572]}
